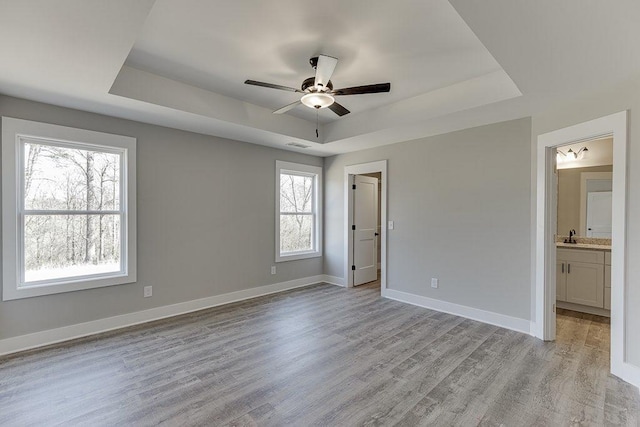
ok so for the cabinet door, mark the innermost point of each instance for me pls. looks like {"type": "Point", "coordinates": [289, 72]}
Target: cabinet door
{"type": "Point", "coordinates": [585, 284]}
{"type": "Point", "coordinates": [561, 280]}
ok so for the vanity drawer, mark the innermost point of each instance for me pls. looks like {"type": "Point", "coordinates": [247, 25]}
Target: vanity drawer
{"type": "Point", "coordinates": [579, 255]}
{"type": "Point", "coordinates": [607, 258]}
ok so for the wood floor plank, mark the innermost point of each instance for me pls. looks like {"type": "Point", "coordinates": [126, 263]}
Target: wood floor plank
{"type": "Point", "coordinates": [320, 355]}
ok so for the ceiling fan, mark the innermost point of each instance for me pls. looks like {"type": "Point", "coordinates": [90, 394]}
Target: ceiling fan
{"type": "Point", "coordinates": [318, 91]}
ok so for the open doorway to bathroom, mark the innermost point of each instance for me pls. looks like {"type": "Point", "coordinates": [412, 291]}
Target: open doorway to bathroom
{"type": "Point", "coordinates": [584, 174]}
{"type": "Point", "coordinates": [545, 229]}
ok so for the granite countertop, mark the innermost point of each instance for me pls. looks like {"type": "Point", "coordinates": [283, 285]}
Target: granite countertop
{"type": "Point", "coordinates": [583, 246]}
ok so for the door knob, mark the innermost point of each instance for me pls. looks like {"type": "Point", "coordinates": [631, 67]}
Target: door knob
{"type": "Point", "coordinates": [376, 234]}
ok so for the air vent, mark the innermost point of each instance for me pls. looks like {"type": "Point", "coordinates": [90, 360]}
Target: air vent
{"type": "Point", "coordinates": [297, 145]}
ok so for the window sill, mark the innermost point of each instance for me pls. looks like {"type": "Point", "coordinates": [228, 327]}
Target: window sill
{"type": "Point", "coordinates": [298, 255]}
{"type": "Point", "coordinates": [50, 288]}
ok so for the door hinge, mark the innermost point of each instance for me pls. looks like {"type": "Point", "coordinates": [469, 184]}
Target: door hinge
{"type": "Point", "coordinates": [353, 227]}
{"type": "Point", "coordinates": [353, 187]}
{"type": "Point", "coordinates": [353, 267]}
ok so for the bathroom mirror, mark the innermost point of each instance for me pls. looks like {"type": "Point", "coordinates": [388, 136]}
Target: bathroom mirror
{"type": "Point", "coordinates": [584, 201]}
{"type": "Point", "coordinates": [584, 188]}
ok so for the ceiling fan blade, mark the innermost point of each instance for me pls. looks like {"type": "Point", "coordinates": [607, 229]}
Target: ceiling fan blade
{"type": "Point", "coordinates": [270, 85]}
{"type": "Point", "coordinates": [324, 69]}
{"type": "Point", "coordinates": [359, 90]}
{"type": "Point", "coordinates": [287, 107]}
{"type": "Point", "coordinates": [338, 109]}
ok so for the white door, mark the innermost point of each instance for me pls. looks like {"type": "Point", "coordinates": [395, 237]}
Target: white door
{"type": "Point", "coordinates": [599, 214]}
{"type": "Point", "coordinates": [365, 223]}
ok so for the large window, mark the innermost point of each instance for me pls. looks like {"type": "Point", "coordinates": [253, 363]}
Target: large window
{"type": "Point", "coordinates": [298, 209]}
{"type": "Point", "coordinates": [68, 209]}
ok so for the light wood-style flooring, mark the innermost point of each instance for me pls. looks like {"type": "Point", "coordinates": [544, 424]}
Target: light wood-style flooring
{"type": "Point", "coordinates": [325, 356]}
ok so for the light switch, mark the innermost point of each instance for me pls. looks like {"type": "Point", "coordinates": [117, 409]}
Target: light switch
{"type": "Point", "coordinates": [390, 225]}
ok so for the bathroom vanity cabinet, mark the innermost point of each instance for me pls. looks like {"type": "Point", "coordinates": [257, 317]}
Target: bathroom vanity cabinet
{"type": "Point", "coordinates": [583, 277]}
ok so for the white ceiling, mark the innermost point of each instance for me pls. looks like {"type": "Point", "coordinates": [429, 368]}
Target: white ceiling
{"type": "Point", "coordinates": [423, 47]}
{"type": "Point", "coordinates": [182, 64]}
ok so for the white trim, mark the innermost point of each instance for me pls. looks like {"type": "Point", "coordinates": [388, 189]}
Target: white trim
{"type": "Point", "coordinates": [15, 130]}
{"type": "Point", "coordinates": [364, 168]}
{"type": "Point", "coordinates": [333, 280]}
{"type": "Point", "coordinates": [631, 374]}
{"type": "Point", "coordinates": [305, 170]}
{"type": "Point", "coordinates": [66, 333]}
{"type": "Point", "coordinates": [497, 319]}
{"type": "Point", "coordinates": [616, 126]}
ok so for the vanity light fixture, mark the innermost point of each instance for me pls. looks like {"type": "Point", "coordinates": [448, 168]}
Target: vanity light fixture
{"type": "Point", "coordinates": [578, 154]}
{"type": "Point", "coordinates": [565, 157]}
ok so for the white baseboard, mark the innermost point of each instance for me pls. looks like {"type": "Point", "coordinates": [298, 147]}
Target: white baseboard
{"type": "Point", "coordinates": [504, 321]}
{"type": "Point", "coordinates": [333, 280]}
{"type": "Point", "coordinates": [533, 330]}
{"type": "Point", "coordinates": [631, 374]}
{"type": "Point", "coordinates": [66, 333]}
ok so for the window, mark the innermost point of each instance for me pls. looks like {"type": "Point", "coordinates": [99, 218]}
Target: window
{"type": "Point", "coordinates": [68, 211]}
{"type": "Point", "coordinates": [298, 211]}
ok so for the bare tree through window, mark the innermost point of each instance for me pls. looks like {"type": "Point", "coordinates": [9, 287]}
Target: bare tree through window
{"type": "Point", "coordinates": [72, 216]}
{"type": "Point", "coordinates": [296, 212]}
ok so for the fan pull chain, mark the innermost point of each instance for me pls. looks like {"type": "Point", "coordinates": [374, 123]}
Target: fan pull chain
{"type": "Point", "coordinates": [317, 113]}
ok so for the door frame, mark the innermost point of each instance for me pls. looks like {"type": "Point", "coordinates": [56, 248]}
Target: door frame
{"type": "Point", "coordinates": [614, 125]}
{"type": "Point", "coordinates": [359, 169]}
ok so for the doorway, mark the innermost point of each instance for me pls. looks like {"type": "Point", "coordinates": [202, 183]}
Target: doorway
{"type": "Point", "coordinates": [614, 126]}
{"type": "Point", "coordinates": [369, 257]}
{"type": "Point", "coordinates": [583, 244]}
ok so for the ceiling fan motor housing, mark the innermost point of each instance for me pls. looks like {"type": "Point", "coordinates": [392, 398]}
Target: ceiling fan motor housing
{"type": "Point", "coordinates": [310, 83]}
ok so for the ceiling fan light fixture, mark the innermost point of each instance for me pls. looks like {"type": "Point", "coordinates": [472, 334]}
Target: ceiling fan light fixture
{"type": "Point", "coordinates": [317, 100]}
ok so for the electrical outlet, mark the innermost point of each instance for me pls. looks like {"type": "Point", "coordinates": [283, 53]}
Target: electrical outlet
{"type": "Point", "coordinates": [273, 269]}
{"type": "Point", "coordinates": [434, 283]}
{"type": "Point", "coordinates": [391, 225]}
{"type": "Point", "coordinates": [148, 291]}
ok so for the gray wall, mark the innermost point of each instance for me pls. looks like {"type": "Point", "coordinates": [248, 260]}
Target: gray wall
{"type": "Point", "coordinates": [206, 222]}
{"type": "Point", "coordinates": [464, 206]}
{"type": "Point", "coordinates": [461, 206]}
{"type": "Point", "coordinates": [623, 97]}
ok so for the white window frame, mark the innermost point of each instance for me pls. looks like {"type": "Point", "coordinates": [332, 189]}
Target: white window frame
{"type": "Point", "coordinates": [14, 133]}
{"type": "Point", "coordinates": [302, 170]}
